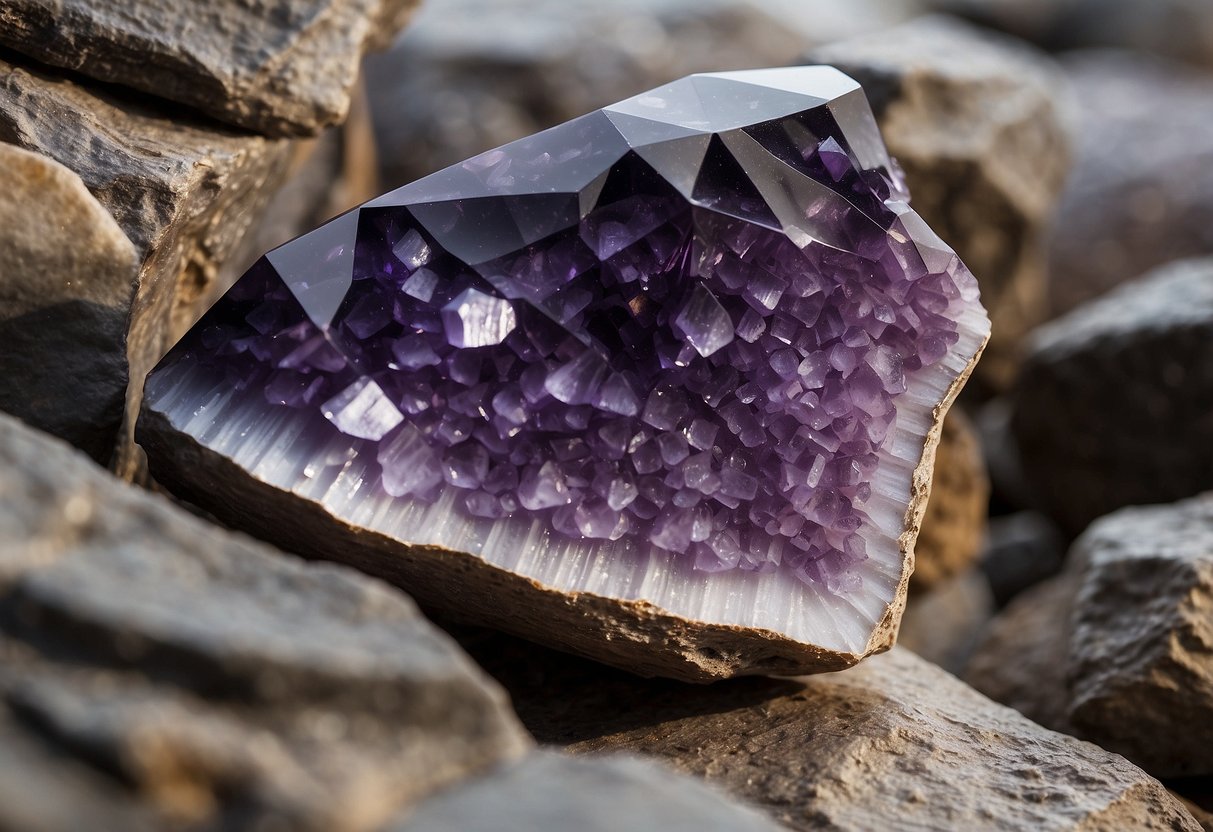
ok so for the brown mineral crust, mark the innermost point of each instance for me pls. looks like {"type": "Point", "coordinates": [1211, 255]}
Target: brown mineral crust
{"type": "Point", "coordinates": [633, 635]}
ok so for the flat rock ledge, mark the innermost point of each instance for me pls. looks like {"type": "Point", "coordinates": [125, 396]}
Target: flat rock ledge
{"type": "Point", "coordinates": [280, 68]}
{"type": "Point", "coordinates": [156, 670]}
{"type": "Point", "coordinates": [892, 743]}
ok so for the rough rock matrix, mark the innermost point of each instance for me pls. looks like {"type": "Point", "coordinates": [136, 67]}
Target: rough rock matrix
{"type": "Point", "coordinates": [690, 350]}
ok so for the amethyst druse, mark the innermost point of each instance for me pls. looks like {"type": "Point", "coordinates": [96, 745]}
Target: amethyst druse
{"type": "Point", "coordinates": [660, 384]}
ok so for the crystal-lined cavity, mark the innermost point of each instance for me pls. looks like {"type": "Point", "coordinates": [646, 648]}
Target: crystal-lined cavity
{"type": "Point", "coordinates": [684, 322]}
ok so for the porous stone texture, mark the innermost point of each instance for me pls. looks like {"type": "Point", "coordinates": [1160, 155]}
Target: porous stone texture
{"type": "Point", "coordinates": [182, 191]}
{"type": "Point", "coordinates": [1141, 636]}
{"type": "Point", "coordinates": [944, 624]}
{"type": "Point", "coordinates": [549, 791]}
{"type": "Point", "coordinates": [1116, 221]}
{"type": "Point", "coordinates": [63, 304]}
{"type": "Point", "coordinates": [447, 90]}
{"type": "Point", "coordinates": [974, 119]}
{"type": "Point", "coordinates": [654, 355]}
{"type": "Point", "coordinates": [1175, 28]}
{"type": "Point", "coordinates": [1021, 659]}
{"type": "Point", "coordinates": [1115, 404]}
{"type": "Point", "coordinates": [893, 743]}
{"type": "Point", "coordinates": [1022, 550]}
{"type": "Point", "coordinates": [281, 67]}
{"type": "Point", "coordinates": [953, 529]}
{"type": "Point", "coordinates": [158, 670]}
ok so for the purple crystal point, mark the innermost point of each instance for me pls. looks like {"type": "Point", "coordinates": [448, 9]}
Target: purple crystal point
{"type": "Point", "coordinates": [686, 326]}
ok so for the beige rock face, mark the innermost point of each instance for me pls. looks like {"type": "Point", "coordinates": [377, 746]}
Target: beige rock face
{"type": "Point", "coordinates": [282, 67]}
{"type": "Point", "coordinates": [1141, 636]}
{"type": "Point", "coordinates": [894, 743]}
{"type": "Point", "coordinates": [183, 192]}
{"type": "Point", "coordinates": [953, 528]}
{"type": "Point", "coordinates": [973, 120]}
{"type": "Point", "coordinates": [67, 274]}
{"type": "Point", "coordinates": [157, 669]}
{"type": "Point", "coordinates": [548, 791]}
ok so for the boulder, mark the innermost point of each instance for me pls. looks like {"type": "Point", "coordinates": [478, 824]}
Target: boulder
{"type": "Point", "coordinates": [1140, 662]}
{"type": "Point", "coordinates": [194, 677]}
{"type": "Point", "coordinates": [448, 90]}
{"type": "Point", "coordinates": [282, 67]}
{"type": "Point", "coordinates": [944, 623]}
{"type": "Point", "coordinates": [892, 743]}
{"type": "Point", "coordinates": [1022, 549]}
{"type": "Point", "coordinates": [1114, 404]}
{"type": "Point", "coordinates": [1115, 221]}
{"type": "Point", "coordinates": [954, 526]}
{"type": "Point", "coordinates": [974, 120]}
{"type": "Point", "coordinates": [182, 191]}
{"type": "Point", "coordinates": [549, 791]}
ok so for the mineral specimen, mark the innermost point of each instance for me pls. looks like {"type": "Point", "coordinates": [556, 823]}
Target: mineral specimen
{"type": "Point", "coordinates": [661, 384]}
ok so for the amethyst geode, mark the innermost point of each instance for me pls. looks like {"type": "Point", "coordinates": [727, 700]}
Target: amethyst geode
{"type": "Point", "coordinates": [687, 352]}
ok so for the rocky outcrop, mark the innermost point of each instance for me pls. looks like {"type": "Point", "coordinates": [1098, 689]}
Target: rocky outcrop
{"type": "Point", "coordinates": [281, 67]}
{"type": "Point", "coordinates": [548, 791]}
{"type": "Point", "coordinates": [183, 193]}
{"type": "Point", "coordinates": [1115, 221]}
{"type": "Point", "coordinates": [1113, 405]}
{"type": "Point", "coordinates": [953, 528]}
{"type": "Point", "coordinates": [974, 120]}
{"type": "Point", "coordinates": [157, 670]}
{"type": "Point", "coordinates": [892, 743]}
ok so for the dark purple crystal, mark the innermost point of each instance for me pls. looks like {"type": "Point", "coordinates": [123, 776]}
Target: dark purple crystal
{"type": "Point", "coordinates": [686, 318]}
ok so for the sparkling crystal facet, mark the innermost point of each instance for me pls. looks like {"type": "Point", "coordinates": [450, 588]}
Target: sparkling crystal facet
{"type": "Point", "coordinates": [685, 321]}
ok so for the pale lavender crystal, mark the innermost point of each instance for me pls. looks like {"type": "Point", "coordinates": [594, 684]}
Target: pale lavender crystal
{"type": "Point", "coordinates": [686, 321]}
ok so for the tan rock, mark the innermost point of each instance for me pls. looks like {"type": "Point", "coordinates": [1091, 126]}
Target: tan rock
{"type": "Point", "coordinates": [894, 743]}
{"type": "Point", "coordinates": [953, 528]}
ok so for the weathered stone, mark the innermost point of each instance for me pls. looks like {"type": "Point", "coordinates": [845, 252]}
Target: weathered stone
{"type": "Point", "coordinates": [1176, 28]}
{"type": "Point", "coordinates": [1009, 489]}
{"type": "Point", "coordinates": [954, 526]}
{"type": "Point", "coordinates": [1112, 408]}
{"type": "Point", "coordinates": [549, 791]}
{"type": "Point", "coordinates": [448, 90]}
{"type": "Point", "coordinates": [64, 302]}
{"type": "Point", "coordinates": [1115, 220]}
{"type": "Point", "coordinates": [973, 119]}
{"type": "Point", "coordinates": [218, 682]}
{"type": "Point", "coordinates": [944, 623]}
{"type": "Point", "coordinates": [182, 191]}
{"type": "Point", "coordinates": [1021, 660]}
{"type": "Point", "coordinates": [1021, 550]}
{"type": "Point", "coordinates": [1140, 662]}
{"type": "Point", "coordinates": [281, 67]}
{"type": "Point", "coordinates": [892, 743]}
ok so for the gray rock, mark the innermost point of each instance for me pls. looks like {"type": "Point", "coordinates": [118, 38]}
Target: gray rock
{"type": "Point", "coordinates": [225, 685]}
{"type": "Point", "coordinates": [955, 523]}
{"type": "Point", "coordinates": [183, 192]}
{"type": "Point", "coordinates": [1141, 193]}
{"type": "Point", "coordinates": [450, 88]}
{"type": "Point", "coordinates": [1115, 403]}
{"type": "Point", "coordinates": [1141, 636]}
{"type": "Point", "coordinates": [548, 791]}
{"type": "Point", "coordinates": [281, 67]}
{"type": "Point", "coordinates": [944, 623]}
{"type": "Point", "coordinates": [1021, 659]}
{"type": "Point", "coordinates": [1021, 550]}
{"type": "Point", "coordinates": [973, 119]}
{"type": "Point", "coordinates": [64, 301]}
{"type": "Point", "coordinates": [892, 743]}
{"type": "Point", "coordinates": [1176, 28]}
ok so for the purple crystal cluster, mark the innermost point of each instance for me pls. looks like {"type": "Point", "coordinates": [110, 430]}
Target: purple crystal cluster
{"type": "Point", "coordinates": [685, 320]}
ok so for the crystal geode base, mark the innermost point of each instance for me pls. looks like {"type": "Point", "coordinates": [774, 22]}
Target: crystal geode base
{"type": "Point", "coordinates": [660, 385]}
